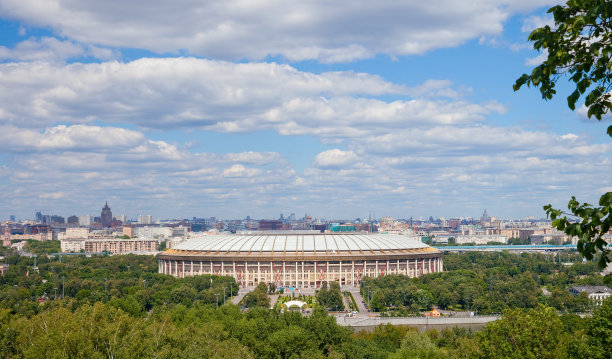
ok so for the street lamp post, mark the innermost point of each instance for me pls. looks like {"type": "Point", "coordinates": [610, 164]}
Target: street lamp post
{"type": "Point", "coordinates": [63, 292]}
{"type": "Point", "coordinates": [217, 296]}
{"type": "Point", "coordinates": [223, 295]}
{"type": "Point", "coordinates": [55, 292]}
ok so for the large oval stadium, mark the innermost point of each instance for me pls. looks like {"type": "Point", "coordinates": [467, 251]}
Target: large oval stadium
{"type": "Point", "coordinates": [301, 260]}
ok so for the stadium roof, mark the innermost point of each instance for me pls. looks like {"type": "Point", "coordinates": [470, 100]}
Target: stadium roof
{"type": "Point", "coordinates": [300, 243]}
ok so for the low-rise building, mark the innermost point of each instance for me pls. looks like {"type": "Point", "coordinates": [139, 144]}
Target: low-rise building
{"type": "Point", "coordinates": [121, 246]}
{"type": "Point", "coordinates": [597, 293]}
{"type": "Point", "coordinates": [72, 245]}
{"type": "Point", "coordinates": [37, 237]}
{"type": "Point", "coordinates": [480, 239]}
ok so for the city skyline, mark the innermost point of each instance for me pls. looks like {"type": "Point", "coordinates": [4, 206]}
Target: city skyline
{"type": "Point", "coordinates": [256, 110]}
{"type": "Point", "coordinates": [289, 216]}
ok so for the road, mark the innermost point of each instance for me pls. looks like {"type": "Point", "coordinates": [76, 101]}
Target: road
{"type": "Point", "coordinates": [355, 292]}
{"type": "Point", "coordinates": [241, 293]}
{"type": "Point", "coordinates": [421, 323]}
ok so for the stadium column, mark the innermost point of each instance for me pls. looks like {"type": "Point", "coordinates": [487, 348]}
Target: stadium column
{"type": "Point", "coordinates": [183, 268]}
{"type": "Point", "coordinates": [259, 272]}
{"type": "Point", "coordinates": [284, 275]}
{"type": "Point", "coordinates": [376, 270]}
{"type": "Point", "coordinates": [340, 271]}
{"type": "Point", "coordinates": [296, 274]}
{"type": "Point", "coordinates": [246, 272]}
{"type": "Point", "coordinates": [315, 273]}
{"type": "Point", "coordinates": [353, 273]}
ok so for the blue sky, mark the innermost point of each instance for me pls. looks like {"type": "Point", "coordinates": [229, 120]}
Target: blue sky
{"type": "Point", "coordinates": [235, 109]}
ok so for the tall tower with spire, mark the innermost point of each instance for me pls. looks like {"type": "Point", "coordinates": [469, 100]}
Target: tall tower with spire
{"type": "Point", "coordinates": [106, 217]}
{"type": "Point", "coordinates": [485, 217]}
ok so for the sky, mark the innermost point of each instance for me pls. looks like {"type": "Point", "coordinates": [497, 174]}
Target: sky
{"type": "Point", "coordinates": [256, 108]}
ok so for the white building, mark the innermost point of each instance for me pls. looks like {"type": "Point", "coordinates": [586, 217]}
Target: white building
{"type": "Point", "coordinates": [72, 245]}
{"type": "Point", "coordinates": [77, 233]}
{"type": "Point", "coordinates": [152, 232]}
{"type": "Point", "coordinates": [159, 232]}
{"type": "Point", "coordinates": [480, 239]}
{"type": "Point", "coordinates": [85, 221]}
{"type": "Point", "coordinates": [145, 219]}
{"type": "Point", "coordinates": [597, 293]}
{"type": "Point", "coordinates": [122, 217]}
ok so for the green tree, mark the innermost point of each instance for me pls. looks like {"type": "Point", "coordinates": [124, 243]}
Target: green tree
{"type": "Point", "coordinates": [258, 297]}
{"type": "Point", "coordinates": [599, 332]}
{"type": "Point", "coordinates": [580, 47]}
{"type": "Point", "coordinates": [330, 298]}
{"type": "Point", "coordinates": [537, 333]}
{"type": "Point", "coordinates": [415, 345]}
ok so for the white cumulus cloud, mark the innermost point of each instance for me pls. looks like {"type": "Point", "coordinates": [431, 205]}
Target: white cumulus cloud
{"type": "Point", "coordinates": [297, 30]}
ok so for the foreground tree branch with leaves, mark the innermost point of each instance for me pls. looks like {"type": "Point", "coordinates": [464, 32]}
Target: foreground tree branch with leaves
{"type": "Point", "coordinates": [579, 47]}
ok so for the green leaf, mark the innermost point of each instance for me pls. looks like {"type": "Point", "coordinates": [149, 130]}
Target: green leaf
{"type": "Point", "coordinates": [606, 199]}
{"type": "Point", "coordinates": [571, 100]}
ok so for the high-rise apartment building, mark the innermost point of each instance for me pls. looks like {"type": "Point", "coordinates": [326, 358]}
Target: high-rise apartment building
{"type": "Point", "coordinates": [145, 219]}
{"type": "Point", "coordinates": [85, 221]}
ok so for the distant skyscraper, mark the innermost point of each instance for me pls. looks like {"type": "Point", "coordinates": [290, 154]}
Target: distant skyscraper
{"type": "Point", "coordinates": [145, 219]}
{"type": "Point", "coordinates": [73, 220]}
{"type": "Point", "coordinates": [39, 217]}
{"type": "Point", "coordinates": [85, 221]}
{"type": "Point", "coordinates": [57, 219]}
{"type": "Point", "coordinates": [485, 217]}
{"type": "Point", "coordinates": [106, 217]}
{"type": "Point", "coordinates": [12, 218]}
{"type": "Point", "coordinates": [122, 218]}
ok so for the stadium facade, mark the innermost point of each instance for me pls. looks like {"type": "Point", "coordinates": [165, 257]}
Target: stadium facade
{"type": "Point", "coordinates": [301, 260]}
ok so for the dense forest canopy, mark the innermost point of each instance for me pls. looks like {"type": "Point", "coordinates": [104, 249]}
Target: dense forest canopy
{"type": "Point", "coordinates": [119, 306]}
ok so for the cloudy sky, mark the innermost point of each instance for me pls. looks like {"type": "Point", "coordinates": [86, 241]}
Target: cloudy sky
{"type": "Point", "coordinates": [233, 108]}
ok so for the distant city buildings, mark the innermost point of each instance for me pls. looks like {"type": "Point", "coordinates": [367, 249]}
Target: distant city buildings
{"type": "Point", "coordinates": [485, 229]}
